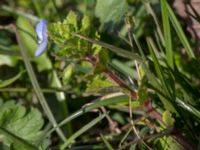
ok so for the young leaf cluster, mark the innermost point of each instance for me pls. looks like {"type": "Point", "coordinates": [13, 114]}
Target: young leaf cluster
{"type": "Point", "coordinates": [69, 46]}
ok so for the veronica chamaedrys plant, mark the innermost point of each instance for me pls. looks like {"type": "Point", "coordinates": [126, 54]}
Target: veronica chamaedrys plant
{"type": "Point", "coordinates": [41, 30]}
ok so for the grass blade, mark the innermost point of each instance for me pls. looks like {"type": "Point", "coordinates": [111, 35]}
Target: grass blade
{"type": "Point", "coordinates": [188, 107]}
{"type": "Point", "coordinates": [6, 51]}
{"type": "Point", "coordinates": [167, 33]}
{"type": "Point", "coordinates": [125, 136]}
{"type": "Point", "coordinates": [82, 130]}
{"type": "Point", "coordinates": [98, 103]}
{"type": "Point", "coordinates": [108, 145]}
{"type": "Point", "coordinates": [37, 87]}
{"type": "Point", "coordinates": [139, 46]}
{"type": "Point", "coordinates": [156, 64]}
{"type": "Point", "coordinates": [7, 82]}
{"type": "Point", "coordinates": [180, 32]}
{"type": "Point", "coordinates": [166, 87]}
{"type": "Point", "coordinates": [152, 13]}
{"type": "Point", "coordinates": [118, 51]}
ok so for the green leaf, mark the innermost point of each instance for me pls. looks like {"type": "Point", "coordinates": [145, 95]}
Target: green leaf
{"type": "Point", "coordinates": [167, 119]}
{"type": "Point", "coordinates": [73, 48]}
{"type": "Point", "coordinates": [18, 143]}
{"type": "Point", "coordinates": [168, 142]}
{"type": "Point", "coordinates": [100, 83]}
{"type": "Point", "coordinates": [158, 69]}
{"type": "Point", "coordinates": [67, 73]}
{"type": "Point", "coordinates": [103, 62]}
{"type": "Point", "coordinates": [155, 18]}
{"type": "Point", "coordinates": [123, 68]}
{"type": "Point", "coordinates": [180, 32]}
{"type": "Point", "coordinates": [7, 60]}
{"type": "Point", "coordinates": [85, 23]}
{"type": "Point", "coordinates": [167, 102]}
{"type": "Point", "coordinates": [7, 82]}
{"type": "Point", "coordinates": [19, 121]}
{"type": "Point", "coordinates": [71, 20]}
{"type": "Point", "coordinates": [110, 10]}
{"type": "Point", "coordinates": [167, 33]}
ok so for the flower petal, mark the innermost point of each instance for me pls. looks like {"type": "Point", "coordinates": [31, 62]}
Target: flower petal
{"type": "Point", "coordinates": [41, 48]}
{"type": "Point", "coordinates": [41, 30]}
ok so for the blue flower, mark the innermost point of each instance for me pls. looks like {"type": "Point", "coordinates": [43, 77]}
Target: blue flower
{"type": "Point", "coordinates": [41, 30]}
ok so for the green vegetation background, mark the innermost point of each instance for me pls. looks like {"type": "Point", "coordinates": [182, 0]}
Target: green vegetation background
{"type": "Point", "coordinates": [116, 75]}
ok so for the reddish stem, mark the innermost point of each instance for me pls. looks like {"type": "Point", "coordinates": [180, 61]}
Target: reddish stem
{"type": "Point", "coordinates": [147, 106]}
{"type": "Point", "coordinates": [120, 82]}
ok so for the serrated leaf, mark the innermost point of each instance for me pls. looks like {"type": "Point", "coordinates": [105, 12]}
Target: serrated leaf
{"type": "Point", "coordinates": [85, 23]}
{"type": "Point", "coordinates": [69, 46]}
{"type": "Point", "coordinates": [71, 20]}
{"type": "Point", "coordinates": [24, 123]}
{"type": "Point", "coordinates": [19, 143]}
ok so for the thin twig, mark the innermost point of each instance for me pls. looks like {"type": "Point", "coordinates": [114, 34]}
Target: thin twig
{"type": "Point", "coordinates": [112, 124]}
{"type": "Point", "coordinates": [149, 137]}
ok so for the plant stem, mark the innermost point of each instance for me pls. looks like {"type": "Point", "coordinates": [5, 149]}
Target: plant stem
{"type": "Point", "coordinates": [18, 12]}
{"type": "Point", "coordinates": [36, 86]}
